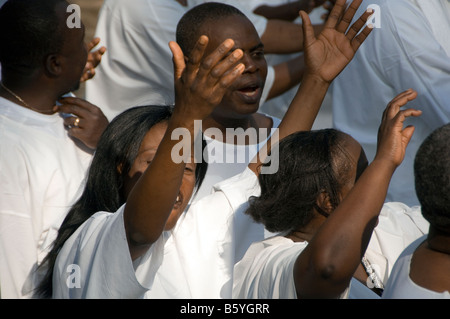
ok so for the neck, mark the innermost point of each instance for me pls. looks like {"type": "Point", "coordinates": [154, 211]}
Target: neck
{"type": "Point", "coordinates": [307, 232]}
{"type": "Point", "coordinates": [28, 96]}
{"type": "Point", "coordinates": [223, 123]}
{"type": "Point", "coordinates": [438, 240]}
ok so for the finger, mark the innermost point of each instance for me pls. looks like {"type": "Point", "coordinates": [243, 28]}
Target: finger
{"type": "Point", "coordinates": [348, 16]}
{"type": "Point", "coordinates": [94, 42]}
{"type": "Point", "coordinates": [335, 14]}
{"type": "Point", "coordinates": [356, 27]}
{"type": "Point", "coordinates": [399, 101]}
{"type": "Point", "coordinates": [408, 133]}
{"type": "Point", "coordinates": [97, 56]}
{"type": "Point", "coordinates": [76, 106]}
{"type": "Point", "coordinates": [73, 122]}
{"type": "Point", "coordinates": [224, 66]}
{"type": "Point", "coordinates": [179, 64]}
{"type": "Point", "coordinates": [195, 59]}
{"type": "Point", "coordinates": [308, 30]}
{"type": "Point", "coordinates": [225, 82]}
{"type": "Point", "coordinates": [360, 38]}
{"type": "Point", "coordinates": [215, 57]}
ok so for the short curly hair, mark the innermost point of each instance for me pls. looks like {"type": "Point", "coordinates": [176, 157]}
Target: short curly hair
{"type": "Point", "coordinates": [311, 162]}
{"type": "Point", "coordinates": [192, 22]}
{"type": "Point", "coordinates": [29, 31]}
{"type": "Point", "coordinates": [432, 177]}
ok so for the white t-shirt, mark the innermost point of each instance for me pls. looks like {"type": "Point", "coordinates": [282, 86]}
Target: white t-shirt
{"type": "Point", "coordinates": [398, 226]}
{"type": "Point", "coordinates": [267, 270]}
{"type": "Point", "coordinates": [401, 286]}
{"type": "Point", "coordinates": [41, 171]}
{"type": "Point", "coordinates": [226, 159]}
{"type": "Point", "coordinates": [137, 68]}
{"type": "Point", "coordinates": [194, 260]}
{"type": "Point", "coordinates": [403, 53]}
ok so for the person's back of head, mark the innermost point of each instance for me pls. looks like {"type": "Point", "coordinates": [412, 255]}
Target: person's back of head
{"type": "Point", "coordinates": [29, 30]}
{"type": "Point", "coordinates": [311, 163]}
{"type": "Point", "coordinates": [432, 178]}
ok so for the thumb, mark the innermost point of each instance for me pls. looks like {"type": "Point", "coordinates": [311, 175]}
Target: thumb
{"type": "Point", "coordinates": [308, 30]}
{"type": "Point", "coordinates": [178, 59]}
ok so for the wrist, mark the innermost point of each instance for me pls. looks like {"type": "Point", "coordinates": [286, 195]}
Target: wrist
{"type": "Point", "coordinates": [315, 79]}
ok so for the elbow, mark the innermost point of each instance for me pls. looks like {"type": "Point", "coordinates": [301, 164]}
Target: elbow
{"type": "Point", "coordinates": [325, 277]}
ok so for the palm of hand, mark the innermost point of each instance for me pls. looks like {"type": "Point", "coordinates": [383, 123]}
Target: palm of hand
{"type": "Point", "coordinates": [328, 55]}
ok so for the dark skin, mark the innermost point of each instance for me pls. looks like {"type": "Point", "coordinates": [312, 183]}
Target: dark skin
{"type": "Point", "coordinates": [59, 74]}
{"type": "Point", "coordinates": [199, 87]}
{"type": "Point", "coordinates": [240, 103]}
{"type": "Point", "coordinates": [431, 261]}
{"type": "Point", "coordinates": [325, 268]}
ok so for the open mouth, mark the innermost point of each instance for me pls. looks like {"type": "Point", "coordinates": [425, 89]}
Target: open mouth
{"type": "Point", "coordinates": [178, 201]}
{"type": "Point", "coordinates": [250, 93]}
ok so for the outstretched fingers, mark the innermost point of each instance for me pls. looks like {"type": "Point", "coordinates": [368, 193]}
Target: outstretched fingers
{"type": "Point", "coordinates": [336, 14]}
{"type": "Point", "coordinates": [354, 35]}
{"type": "Point", "coordinates": [348, 15]}
{"type": "Point", "coordinates": [393, 108]}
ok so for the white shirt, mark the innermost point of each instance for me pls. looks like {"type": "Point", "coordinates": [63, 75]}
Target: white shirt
{"type": "Point", "coordinates": [267, 270]}
{"type": "Point", "coordinates": [137, 68]}
{"type": "Point", "coordinates": [400, 284]}
{"type": "Point", "coordinates": [194, 260]}
{"type": "Point", "coordinates": [226, 160]}
{"type": "Point", "coordinates": [41, 169]}
{"type": "Point", "coordinates": [398, 226]}
{"type": "Point", "coordinates": [263, 271]}
{"type": "Point", "coordinates": [403, 53]}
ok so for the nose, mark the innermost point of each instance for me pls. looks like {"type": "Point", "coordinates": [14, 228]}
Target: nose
{"type": "Point", "coordinates": [250, 65]}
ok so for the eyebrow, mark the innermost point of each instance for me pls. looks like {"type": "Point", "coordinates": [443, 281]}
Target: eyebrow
{"type": "Point", "coordinates": [256, 47]}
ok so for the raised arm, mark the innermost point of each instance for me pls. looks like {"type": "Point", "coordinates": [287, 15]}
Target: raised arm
{"type": "Point", "coordinates": [325, 57]}
{"type": "Point", "coordinates": [199, 87]}
{"type": "Point", "coordinates": [326, 266]}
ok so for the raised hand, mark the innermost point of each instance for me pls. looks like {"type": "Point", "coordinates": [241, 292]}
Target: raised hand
{"type": "Point", "coordinates": [392, 137]}
{"type": "Point", "coordinates": [93, 60]}
{"type": "Point", "coordinates": [328, 54]}
{"type": "Point", "coordinates": [201, 83]}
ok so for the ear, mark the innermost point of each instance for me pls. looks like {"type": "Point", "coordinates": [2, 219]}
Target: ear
{"type": "Point", "coordinates": [53, 65]}
{"type": "Point", "coordinates": [324, 204]}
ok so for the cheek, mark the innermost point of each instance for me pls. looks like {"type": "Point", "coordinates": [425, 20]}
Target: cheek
{"type": "Point", "coordinates": [187, 187]}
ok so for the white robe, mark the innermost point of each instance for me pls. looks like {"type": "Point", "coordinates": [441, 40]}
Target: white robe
{"type": "Point", "coordinates": [400, 284]}
{"type": "Point", "coordinates": [194, 260]}
{"type": "Point", "coordinates": [403, 53]}
{"type": "Point", "coordinates": [41, 173]}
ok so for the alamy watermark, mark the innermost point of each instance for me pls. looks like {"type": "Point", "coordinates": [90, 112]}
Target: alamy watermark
{"type": "Point", "coordinates": [374, 21]}
{"type": "Point", "coordinates": [74, 19]}
{"type": "Point", "coordinates": [233, 138]}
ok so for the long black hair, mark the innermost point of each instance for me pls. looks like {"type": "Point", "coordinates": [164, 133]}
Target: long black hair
{"type": "Point", "coordinates": [118, 147]}
{"type": "Point", "coordinates": [311, 162]}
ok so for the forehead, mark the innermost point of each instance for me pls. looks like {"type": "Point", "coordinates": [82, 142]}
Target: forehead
{"type": "Point", "coordinates": [236, 27]}
{"type": "Point", "coordinates": [153, 137]}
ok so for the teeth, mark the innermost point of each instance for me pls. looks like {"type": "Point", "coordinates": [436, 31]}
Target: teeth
{"type": "Point", "coordinates": [178, 198]}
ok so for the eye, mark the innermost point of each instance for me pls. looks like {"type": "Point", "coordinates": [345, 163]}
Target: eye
{"type": "Point", "coordinates": [258, 54]}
